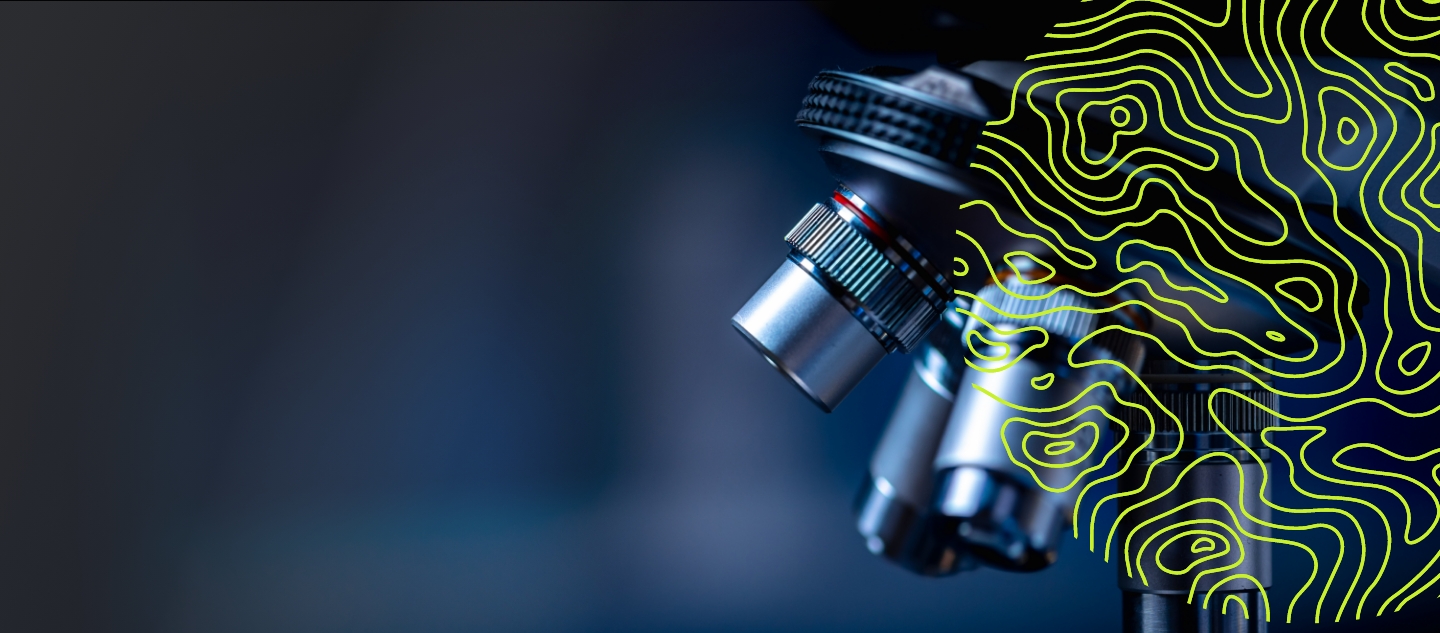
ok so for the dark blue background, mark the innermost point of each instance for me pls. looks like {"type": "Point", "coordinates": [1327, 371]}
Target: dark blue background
{"type": "Point", "coordinates": [415, 318]}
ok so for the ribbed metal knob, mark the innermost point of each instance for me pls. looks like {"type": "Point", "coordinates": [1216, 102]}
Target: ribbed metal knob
{"type": "Point", "coordinates": [1017, 303]}
{"type": "Point", "coordinates": [1193, 408]}
{"type": "Point", "coordinates": [867, 268]}
{"type": "Point", "coordinates": [1189, 393]}
{"type": "Point", "coordinates": [939, 126]}
{"type": "Point", "coordinates": [1014, 301]}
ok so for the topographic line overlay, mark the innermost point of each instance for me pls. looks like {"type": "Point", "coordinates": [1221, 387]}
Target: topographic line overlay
{"type": "Point", "coordinates": [1126, 152]}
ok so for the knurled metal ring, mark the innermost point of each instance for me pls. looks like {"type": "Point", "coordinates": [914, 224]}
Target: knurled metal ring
{"type": "Point", "coordinates": [892, 291]}
{"type": "Point", "coordinates": [1193, 410]}
{"type": "Point", "coordinates": [889, 112]}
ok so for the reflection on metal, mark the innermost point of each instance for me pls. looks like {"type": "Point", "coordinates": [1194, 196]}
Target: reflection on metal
{"type": "Point", "coordinates": [852, 291]}
{"type": "Point", "coordinates": [995, 507]}
{"type": "Point", "coordinates": [806, 333]}
{"type": "Point", "coordinates": [893, 506]}
{"type": "Point", "coordinates": [1018, 380]}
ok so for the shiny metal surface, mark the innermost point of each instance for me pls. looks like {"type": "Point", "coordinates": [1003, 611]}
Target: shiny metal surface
{"type": "Point", "coordinates": [893, 506]}
{"type": "Point", "coordinates": [1215, 478]}
{"type": "Point", "coordinates": [907, 448]}
{"type": "Point", "coordinates": [808, 335]}
{"type": "Point", "coordinates": [998, 508]}
{"type": "Point", "coordinates": [1155, 613]}
{"type": "Point", "coordinates": [904, 533]}
{"type": "Point", "coordinates": [874, 273]}
{"type": "Point", "coordinates": [906, 142]}
{"type": "Point", "coordinates": [998, 519]}
{"type": "Point", "coordinates": [852, 290]}
{"type": "Point", "coordinates": [919, 191]}
{"type": "Point", "coordinates": [1221, 471]}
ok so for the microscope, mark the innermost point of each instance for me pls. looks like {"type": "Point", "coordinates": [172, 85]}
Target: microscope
{"type": "Point", "coordinates": [1028, 366]}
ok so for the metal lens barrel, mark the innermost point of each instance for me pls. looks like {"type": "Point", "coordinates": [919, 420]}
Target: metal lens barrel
{"type": "Point", "coordinates": [851, 291]}
{"type": "Point", "coordinates": [1194, 555]}
{"type": "Point", "coordinates": [893, 506]}
{"type": "Point", "coordinates": [996, 508]}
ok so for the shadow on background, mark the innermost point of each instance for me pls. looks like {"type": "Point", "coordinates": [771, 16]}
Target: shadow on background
{"type": "Point", "coordinates": [415, 318]}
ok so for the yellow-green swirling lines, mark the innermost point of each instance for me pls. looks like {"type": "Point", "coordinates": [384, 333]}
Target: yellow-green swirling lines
{"type": "Point", "coordinates": [1146, 67]}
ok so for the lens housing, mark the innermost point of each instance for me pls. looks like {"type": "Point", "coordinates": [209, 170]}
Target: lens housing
{"type": "Point", "coordinates": [801, 329]}
{"type": "Point", "coordinates": [893, 506]}
{"type": "Point", "coordinates": [869, 292]}
{"type": "Point", "coordinates": [1192, 473]}
{"type": "Point", "coordinates": [1020, 340]}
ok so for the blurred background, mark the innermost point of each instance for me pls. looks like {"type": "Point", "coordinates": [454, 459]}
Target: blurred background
{"type": "Point", "coordinates": [323, 317]}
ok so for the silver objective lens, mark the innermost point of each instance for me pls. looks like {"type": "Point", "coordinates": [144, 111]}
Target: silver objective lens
{"type": "Point", "coordinates": [990, 504]}
{"type": "Point", "coordinates": [851, 291]}
{"type": "Point", "coordinates": [893, 506]}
